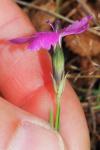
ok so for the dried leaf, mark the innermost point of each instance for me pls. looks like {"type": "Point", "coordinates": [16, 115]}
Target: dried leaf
{"type": "Point", "coordinates": [85, 44]}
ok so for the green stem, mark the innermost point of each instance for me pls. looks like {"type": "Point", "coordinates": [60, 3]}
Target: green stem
{"type": "Point", "coordinates": [57, 120]}
{"type": "Point", "coordinates": [51, 119]}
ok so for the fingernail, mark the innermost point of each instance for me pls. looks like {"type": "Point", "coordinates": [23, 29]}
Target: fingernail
{"type": "Point", "coordinates": [30, 136]}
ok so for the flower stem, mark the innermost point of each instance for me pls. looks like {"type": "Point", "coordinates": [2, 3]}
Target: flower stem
{"type": "Point", "coordinates": [57, 120]}
{"type": "Point", "coordinates": [58, 81]}
{"type": "Point", "coordinates": [51, 118]}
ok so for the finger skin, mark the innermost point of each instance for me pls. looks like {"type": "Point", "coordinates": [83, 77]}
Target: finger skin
{"type": "Point", "coordinates": [11, 14]}
{"type": "Point", "coordinates": [20, 130]}
{"type": "Point", "coordinates": [30, 75]}
{"type": "Point", "coordinates": [73, 124]}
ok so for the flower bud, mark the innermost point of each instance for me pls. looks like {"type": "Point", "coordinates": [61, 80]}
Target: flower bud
{"type": "Point", "coordinates": [58, 64]}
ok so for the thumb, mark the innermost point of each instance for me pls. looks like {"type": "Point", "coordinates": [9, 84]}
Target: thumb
{"type": "Point", "coordinates": [22, 131]}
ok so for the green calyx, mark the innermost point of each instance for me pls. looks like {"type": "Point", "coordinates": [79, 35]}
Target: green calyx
{"type": "Point", "coordinates": [58, 64]}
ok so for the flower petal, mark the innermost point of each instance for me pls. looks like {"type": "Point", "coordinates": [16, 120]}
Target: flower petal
{"type": "Point", "coordinates": [77, 27]}
{"type": "Point", "coordinates": [44, 40]}
{"type": "Point", "coordinates": [22, 39]}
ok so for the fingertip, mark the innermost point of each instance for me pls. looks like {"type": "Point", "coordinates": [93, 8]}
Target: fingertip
{"type": "Point", "coordinates": [31, 136]}
{"type": "Point", "coordinates": [14, 23]}
{"type": "Point", "coordinates": [22, 131]}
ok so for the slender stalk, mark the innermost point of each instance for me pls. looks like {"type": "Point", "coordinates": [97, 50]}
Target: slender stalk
{"type": "Point", "coordinates": [57, 120]}
{"type": "Point", "coordinates": [44, 10]}
{"type": "Point", "coordinates": [83, 76]}
{"type": "Point", "coordinates": [58, 2]}
{"type": "Point", "coordinates": [51, 118]}
{"type": "Point", "coordinates": [58, 80]}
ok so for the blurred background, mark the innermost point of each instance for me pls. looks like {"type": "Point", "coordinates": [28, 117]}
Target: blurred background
{"type": "Point", "coordinates": [82, 52]}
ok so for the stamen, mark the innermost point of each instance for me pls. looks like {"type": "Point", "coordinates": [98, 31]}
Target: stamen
{"type": "Point", "coordinates": [48, 21]}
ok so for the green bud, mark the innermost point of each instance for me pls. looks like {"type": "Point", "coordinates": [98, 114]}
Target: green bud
{"type": "Point", "coordinates": [58, 64]}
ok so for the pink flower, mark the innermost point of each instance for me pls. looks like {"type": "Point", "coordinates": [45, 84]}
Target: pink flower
{"type": "Point", "coordinates": [51, 38]}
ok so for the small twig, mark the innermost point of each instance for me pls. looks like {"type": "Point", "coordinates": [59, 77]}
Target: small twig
{"type": "Point", "coordinates": [72, 12]}
{"type": "Point", "coordinates": [58, 2]}
{"type": "Point", "coordinates": [94, 31]}
{"type": "Point", "coordinates": [86, 8]}
{"type": "Point", "coordinates": [83, 76]}
{"type": "Point", "coordinates": [44, 10]}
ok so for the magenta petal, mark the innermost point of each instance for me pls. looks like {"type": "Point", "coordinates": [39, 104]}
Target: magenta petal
{"type": "Point", "coordinates": [22, 39]}
{"type": "Point", "coordinates": [77, 27]}
{"type": "Point", "coordinates": [44, 40]}
{"type": "Point", "coordinates": [35, 47]}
